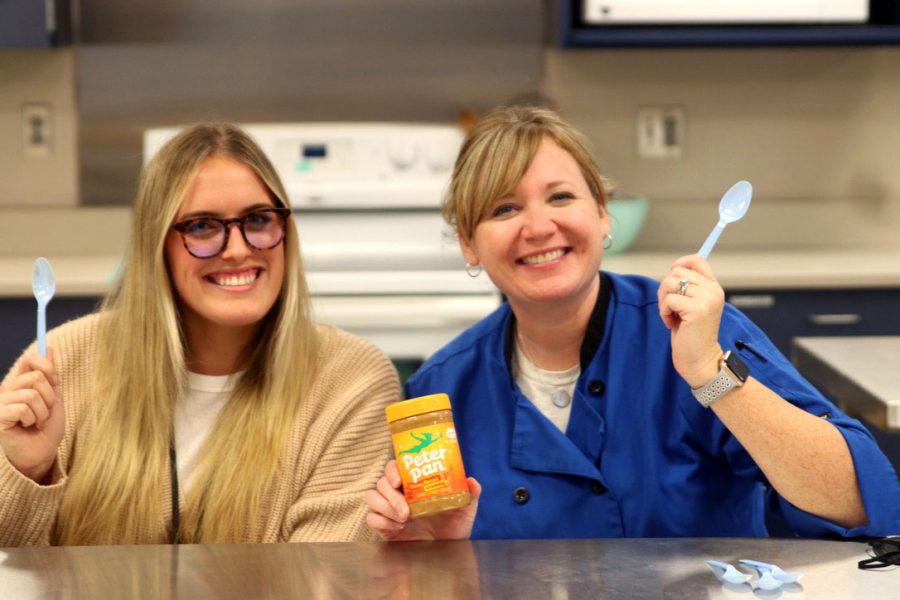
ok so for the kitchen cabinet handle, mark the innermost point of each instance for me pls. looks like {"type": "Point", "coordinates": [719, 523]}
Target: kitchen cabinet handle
{"type": "Point", "coordinates": [752, 301]}
{"type": "Point", "coordinates": [836, 319]}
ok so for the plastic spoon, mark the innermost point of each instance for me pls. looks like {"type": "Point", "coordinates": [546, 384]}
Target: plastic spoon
{"type": "Point", "coordinates": [775, 570]}
{"type": "Point", "coordinates": [727, 573]}
{"type": "Point", "coordinates": [732, 207]}
{"type": "Point", "coordinates": [43, 284]}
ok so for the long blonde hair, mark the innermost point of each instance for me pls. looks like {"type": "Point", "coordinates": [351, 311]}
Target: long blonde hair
{"type": "Point", "coordinates": [496, 154]}
{"type": "Point", "coordinates": [113, 495]}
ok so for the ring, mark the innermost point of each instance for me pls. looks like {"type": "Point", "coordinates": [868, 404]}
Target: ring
{"type": "Point", "coordinates": [682, 286]}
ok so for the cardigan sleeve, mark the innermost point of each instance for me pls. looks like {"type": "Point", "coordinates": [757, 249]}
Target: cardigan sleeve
{"type": "Point", "coordinates": [345, 446]}
{"type": "Point", "coordinates": [28, 511]}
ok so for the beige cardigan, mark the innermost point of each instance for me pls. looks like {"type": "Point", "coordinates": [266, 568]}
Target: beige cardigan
{"type": "Point", "coordinates": [336, 452]}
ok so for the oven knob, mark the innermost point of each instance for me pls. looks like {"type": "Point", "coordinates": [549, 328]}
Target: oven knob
{"type": "Point", "coordinates": [402, 154]}
{"type": "Point", "coordinates": [439, 159]}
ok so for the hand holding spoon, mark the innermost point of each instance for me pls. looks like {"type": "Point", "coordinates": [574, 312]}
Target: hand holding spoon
{"type": "Point", "coordinates": [43, 284]}
{"type": "Point", "coordinates": [732, 207]}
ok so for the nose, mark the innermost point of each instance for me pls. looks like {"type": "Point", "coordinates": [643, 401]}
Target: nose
{"type": "Point", "coordinates": [235, 246]}
{"type": "Point", "coordinates": [538, 222]}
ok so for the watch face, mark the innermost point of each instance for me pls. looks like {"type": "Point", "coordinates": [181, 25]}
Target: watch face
{"type": "Point", "coordinates": [736, 366]}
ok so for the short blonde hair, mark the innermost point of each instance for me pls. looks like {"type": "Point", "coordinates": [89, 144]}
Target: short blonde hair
{"type": "Point", "coordinates": [496, 154]}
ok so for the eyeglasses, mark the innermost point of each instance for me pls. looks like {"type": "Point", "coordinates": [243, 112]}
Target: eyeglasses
{"type": "Point", "coordinates": [206, 237]}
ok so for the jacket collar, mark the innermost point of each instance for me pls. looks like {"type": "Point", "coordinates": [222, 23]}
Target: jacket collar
{"type": "Point", "coordinates": [592, 336]}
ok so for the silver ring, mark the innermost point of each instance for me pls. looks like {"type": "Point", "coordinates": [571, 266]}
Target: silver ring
{"type": "Point", "coordinates": [682, 286]}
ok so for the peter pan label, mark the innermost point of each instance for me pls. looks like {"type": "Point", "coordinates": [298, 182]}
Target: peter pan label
{"type": "Point", "coordinates": [429, 462]}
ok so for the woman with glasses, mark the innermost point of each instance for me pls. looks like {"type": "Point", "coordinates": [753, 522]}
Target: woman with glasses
{"type": "Point", "coordinates": [201, 403]}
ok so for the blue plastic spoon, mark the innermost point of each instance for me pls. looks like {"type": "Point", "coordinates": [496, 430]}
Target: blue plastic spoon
{"type": "Point", "coordinates": [727, 573]}
{"type": "Point", "coordinates": [775, 570]}
{"type": "Point", "coordinates": [732, 207]}
{"type": "Point", "coordinates": [43, 284]}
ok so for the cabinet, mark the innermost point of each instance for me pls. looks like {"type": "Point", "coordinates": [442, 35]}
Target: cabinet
{"type": "Point", "coordinates": [883, 28]}
{"type": "Point", "coordinates": [19, 319]}
{"type": "Point", "coordinates": [786, 314]}
{"type": "Point", "coordinates": [34, 23]}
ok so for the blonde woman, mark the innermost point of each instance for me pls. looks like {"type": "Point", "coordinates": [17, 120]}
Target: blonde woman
{"type": "Point", "coordinates": [597, 404]}
{"type": "Point", "coordinates": [201, 404]}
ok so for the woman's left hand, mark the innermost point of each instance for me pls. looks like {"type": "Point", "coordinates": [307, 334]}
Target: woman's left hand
{"type": "Point", "coordinates": [693, 318]}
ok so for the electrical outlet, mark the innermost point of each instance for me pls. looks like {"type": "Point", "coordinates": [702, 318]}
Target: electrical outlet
{"type": "Point", "coordinates": [37, 129]}
{"type": "Point", "coordinates": [660, 131]}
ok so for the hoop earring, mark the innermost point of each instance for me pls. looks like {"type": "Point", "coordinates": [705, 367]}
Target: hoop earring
{"type": "Point", "coordinates": [473, 270]}
{"type": "Point", "coordinates": [607, 241]}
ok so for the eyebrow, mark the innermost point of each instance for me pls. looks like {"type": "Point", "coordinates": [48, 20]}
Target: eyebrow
{"type": "Point", "coordinates": [198, 214]}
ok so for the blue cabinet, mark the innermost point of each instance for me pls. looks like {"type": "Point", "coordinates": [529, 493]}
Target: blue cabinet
{"type": "Point", "coordinates": [18, 317]}
{"type": "Point", "coordinates": [786, 314]}
{"type": "Point", "coordinates": [34, 23]}
{"type": "Point", "coordinates": [883, 28]}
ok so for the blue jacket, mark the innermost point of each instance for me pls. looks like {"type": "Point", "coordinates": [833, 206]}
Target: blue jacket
{"type": "Point", "coordinates": [640, 457]}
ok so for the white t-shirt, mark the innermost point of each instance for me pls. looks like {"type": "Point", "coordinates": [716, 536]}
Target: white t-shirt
{"type": "Point", "coordinates": [550, 391]}
{"type": "Point", "coordinates": [195, 415]}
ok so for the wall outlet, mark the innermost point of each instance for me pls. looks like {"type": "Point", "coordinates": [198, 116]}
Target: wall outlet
{"type": "Point", "coordinates": [660, 131]}
{"type": "Point", "coordinates": [37, 129]}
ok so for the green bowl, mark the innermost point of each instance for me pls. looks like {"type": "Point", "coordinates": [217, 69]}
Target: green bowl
{"type": "Point", "coordinates": [628, 216]}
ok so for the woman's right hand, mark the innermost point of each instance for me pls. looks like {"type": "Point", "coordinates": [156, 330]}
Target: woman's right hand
{"type": "Point", "coordinates": [389, 513]}
{"type": "Point", "coordinates": [32, 419]}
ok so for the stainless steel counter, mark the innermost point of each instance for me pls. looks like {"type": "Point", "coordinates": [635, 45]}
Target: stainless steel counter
{"type": "Point", "coordinates": [860, 374]}
{"type": "Point", "coordinates": [555, 569]}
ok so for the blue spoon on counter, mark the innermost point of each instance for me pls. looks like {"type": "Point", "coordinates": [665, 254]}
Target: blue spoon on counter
{"type": "Point", "coordinates": [727, 572]}
{"type": "Point", "coordinates": [43, 285]}
{"type": "Point", "coordinates": [775, 571]}
{"type": "Point", "coordinates": [732, 207]}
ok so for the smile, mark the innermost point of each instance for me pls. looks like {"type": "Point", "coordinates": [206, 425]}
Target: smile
{"type": "Point", "coordinates": [234, 279]}
{"type": "Point", "coordinates": [544, 257]}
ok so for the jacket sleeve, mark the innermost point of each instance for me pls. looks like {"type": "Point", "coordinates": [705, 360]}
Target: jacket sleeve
{"type": "Point", "coordinates": [878, 483]}
{"type": "Point", "coordinates": [345, 448]}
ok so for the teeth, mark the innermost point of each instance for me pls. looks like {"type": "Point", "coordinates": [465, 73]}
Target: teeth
{"type": "Point", "coordinates": [236, 280]}
{"type": "Point", "coordinates": [542, 258]}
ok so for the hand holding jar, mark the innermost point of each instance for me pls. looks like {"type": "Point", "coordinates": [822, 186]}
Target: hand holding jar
{"type": "Point", "coordinates": [430, 473]}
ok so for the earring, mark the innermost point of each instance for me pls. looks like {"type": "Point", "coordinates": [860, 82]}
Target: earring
{"type": "Point", "coordinates": [607, 241]}
{"type": "Point", "coordinates": [473, 270]}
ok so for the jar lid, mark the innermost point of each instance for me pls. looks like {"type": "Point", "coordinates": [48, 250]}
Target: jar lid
{"type": "Point", "coordinates": [417, 406]}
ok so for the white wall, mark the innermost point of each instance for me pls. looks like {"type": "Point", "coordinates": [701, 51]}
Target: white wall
{"type": "Point", "coordinates": [47, 77]}
{"type": "Point", "coordinates": [816, 130]}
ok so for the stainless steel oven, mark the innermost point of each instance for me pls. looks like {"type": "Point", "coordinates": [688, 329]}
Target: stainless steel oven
{"type": "Point", "coordinates": [379, 259]}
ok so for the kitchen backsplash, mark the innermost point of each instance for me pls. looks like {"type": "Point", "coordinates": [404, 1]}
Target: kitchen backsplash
{"type": "Point", "coordinates": [42, 79]}
{"type": "Point", "coordinates": [814, 129]}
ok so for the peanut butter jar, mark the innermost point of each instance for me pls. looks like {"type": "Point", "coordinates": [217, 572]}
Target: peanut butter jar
{"type": "Point", "coordinates": [428, 455]}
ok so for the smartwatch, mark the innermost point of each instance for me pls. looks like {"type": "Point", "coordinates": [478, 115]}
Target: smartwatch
{"type": "Point", "coordinates": [732, 374]}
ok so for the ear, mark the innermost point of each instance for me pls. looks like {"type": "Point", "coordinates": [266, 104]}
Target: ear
{"type": "Point", "coordinates": [467, 247]}
{"type": "Point", "coordinates": [605, 219]}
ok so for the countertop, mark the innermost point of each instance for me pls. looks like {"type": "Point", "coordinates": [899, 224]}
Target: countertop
{"type": "Point", "coordinates": [91, 274]}
{"type": "Point", "coordinates": [520, 569]}
{"type": "Point", "coordinates": [858, 373]}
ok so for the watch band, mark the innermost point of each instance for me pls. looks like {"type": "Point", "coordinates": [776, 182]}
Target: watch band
{"type": "Point", "coordinates": [732, 374]}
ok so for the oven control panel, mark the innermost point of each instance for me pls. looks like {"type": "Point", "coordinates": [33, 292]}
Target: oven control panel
{"type": "Point", "coordinates": [362, 166]}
